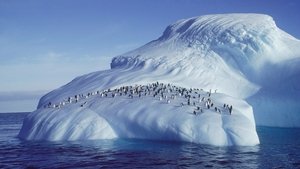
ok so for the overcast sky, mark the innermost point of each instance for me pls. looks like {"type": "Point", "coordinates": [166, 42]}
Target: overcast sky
{"type": "Point", "coordinates": [45, 44]}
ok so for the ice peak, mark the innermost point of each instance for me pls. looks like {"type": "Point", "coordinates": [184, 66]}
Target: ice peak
{"type": "Point", "coordinates": [246, 42]}
{"type": "Point", "coordinates": [216, 24]}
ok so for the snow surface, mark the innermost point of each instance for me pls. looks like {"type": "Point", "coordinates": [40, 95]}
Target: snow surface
{"type": "Point", "coordinates": [245, 56]}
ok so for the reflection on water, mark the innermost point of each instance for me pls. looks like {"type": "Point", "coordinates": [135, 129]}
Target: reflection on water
{"type": "Point", "coordinates": [278, 148]}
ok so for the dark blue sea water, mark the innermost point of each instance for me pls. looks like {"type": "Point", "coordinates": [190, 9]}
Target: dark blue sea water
{"type": "Point", "coordinates": [279, 148]}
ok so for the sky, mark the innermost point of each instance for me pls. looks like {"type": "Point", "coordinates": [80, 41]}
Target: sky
{"type": "Point", "coordinates": [45, 44]}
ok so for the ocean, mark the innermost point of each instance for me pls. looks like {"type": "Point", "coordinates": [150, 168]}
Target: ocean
{"type": "Point", "coordinates": [279, 148]}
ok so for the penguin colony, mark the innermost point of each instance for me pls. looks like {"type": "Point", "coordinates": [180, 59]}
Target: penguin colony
{"type": "Point", "coordinates": [167, 93]}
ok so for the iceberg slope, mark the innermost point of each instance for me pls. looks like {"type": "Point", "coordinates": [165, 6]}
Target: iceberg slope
{"type": "Point", "coordinates": [146, 117]}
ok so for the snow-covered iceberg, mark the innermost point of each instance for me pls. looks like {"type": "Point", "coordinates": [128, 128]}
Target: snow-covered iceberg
{"type": "Point", "coordinates": [242, 56]}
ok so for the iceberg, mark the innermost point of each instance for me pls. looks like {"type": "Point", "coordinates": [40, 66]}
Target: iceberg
{"type": "Point", "coordinates": [236, 58]}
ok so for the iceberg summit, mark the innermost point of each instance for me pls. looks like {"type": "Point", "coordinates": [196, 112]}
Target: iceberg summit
{"type": "Point", "coordinates": [196, 83]}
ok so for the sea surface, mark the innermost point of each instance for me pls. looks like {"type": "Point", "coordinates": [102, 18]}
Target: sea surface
{"type": "Point", "coordinates": [279, 148]}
